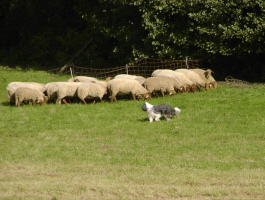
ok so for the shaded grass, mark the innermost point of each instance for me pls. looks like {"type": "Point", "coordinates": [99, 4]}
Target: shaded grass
{"type": "Point", "coordinates": [213, 150]}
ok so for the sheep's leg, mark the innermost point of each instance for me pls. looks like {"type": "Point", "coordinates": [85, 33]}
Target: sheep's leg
{"type": "Point", "coordinates": [64, 100]}
{"type": "Point", "coordinates": [133, 96]}
{"type": "Point", "coordinates": [58, 101]}
{"type": "Point", "coordinates": [113, 98]}
{"type": "Point", "coordinates": [84, 101]}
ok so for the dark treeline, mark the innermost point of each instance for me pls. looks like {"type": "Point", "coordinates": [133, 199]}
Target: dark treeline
{"type": "Point", "coordinates": [229, 36]}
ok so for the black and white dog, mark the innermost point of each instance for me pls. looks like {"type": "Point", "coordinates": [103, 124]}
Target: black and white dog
{"type": "Point", "coordinates": [155, 112]}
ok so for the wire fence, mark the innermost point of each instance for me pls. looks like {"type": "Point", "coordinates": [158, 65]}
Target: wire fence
{"type": "Point", "coordinates": [143, 67]}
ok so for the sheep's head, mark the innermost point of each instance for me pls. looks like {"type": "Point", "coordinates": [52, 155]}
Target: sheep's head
{"type": "Point", "coordinates": [108, 79]}
{"type": "Point", "coordinates": [76, 80]}
{"type": "Point", "coordinates": [193, 88]}
{"type": "Point", "coordinates": [181, 89]}
{"type": "Point", "coordinates": [213, 84]}
{"type": "Point", "coordinates": [172, 92]}
{"type": "Point", "coordinates": [147, 96]}
{"type": "Point", "coordinates": [41, 102]}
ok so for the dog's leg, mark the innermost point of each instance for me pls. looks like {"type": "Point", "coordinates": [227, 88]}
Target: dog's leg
{"type": "Point", "coordinates": [150, 117]}
{"type": "Point", "coordinates": [168, 117]}
{"type": "Point", "coordinates": [157, 117]}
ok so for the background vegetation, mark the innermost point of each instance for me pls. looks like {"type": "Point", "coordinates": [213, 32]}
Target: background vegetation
{"type": "Point", "coordinates": [213, 150]}
{"type": "Point", "coordinates": [228, 35]}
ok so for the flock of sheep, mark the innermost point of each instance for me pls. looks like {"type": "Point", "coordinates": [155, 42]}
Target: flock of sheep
{"type": "Point", "coordinates": [162, 81]}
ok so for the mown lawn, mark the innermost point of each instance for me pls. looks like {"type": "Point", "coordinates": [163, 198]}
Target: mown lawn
{"type": "Point", "coordinates": [213, 150]}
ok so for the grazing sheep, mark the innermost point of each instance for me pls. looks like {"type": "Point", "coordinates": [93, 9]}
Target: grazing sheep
{"type": "Point", "coordinates": [51, 90]}
{"type": "Point", "coordinates": [127, 86]}
{"type": "Point", "coordinates": [91, 91]}
{"type": "Point", "coordinates": [199, 81]}
{"type": "Point", "coordinates": [90, 79]}
{"type": "Point", "coordinates": [82, 79]}
{"type": "Point", "coordinates": [156, 84]}
{"type": "Point", "coordinates": [157, 71]}
{"type": "Point", "coordinates": [127, 76]}
{"type": "Point", "coordinates": [13, 86]}
{"type": "Point", "coordinates": [181, 78]}
{"type": "Point", "coordinates": [66, 89]}
{"type": "Point", "coordinates": [208, 75]}
{"type": "Point", "coordinates": [174, 82]}
{"type": "Point", "coordinates": [141, 80]}
{"type": "Point", "coordinates": [28, 94]}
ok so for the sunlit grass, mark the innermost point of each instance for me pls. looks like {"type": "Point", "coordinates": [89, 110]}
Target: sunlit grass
{"type": "Point", "coordinates": [213, 150]}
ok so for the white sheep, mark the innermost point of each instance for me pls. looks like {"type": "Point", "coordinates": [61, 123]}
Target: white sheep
{"type": "Point", "coordinates": [199, 81]}
{"type": "Point", "coordinates": [13, 86]}
{"type": "Point", "coordinates": [174, 82]}
{"type": "Point", "coordinates": [51, 90]}
{"type": "Point", "coordinates": [90, 79]}
{"type": "Point", "coordinates": [208, 75]}
{"type": "Point", "coordinates": [28, 94]}
{"type": "Point", "coordinates": [127, 76]}
{"type": "Point", "coordinates": [183, 80]}
{"type": "Point", "coordinates": [157, 84]}
{"type": "Point", "coordinates": [127, 86]}
{"type": "Point", "coordinates": [91, 91]}
{"type": "Point", "coordinates": [141, 80]}
{"type": "Point", "coordinates": [82, 79]}
{"type": "Point", "coordinates": [66, 89]}
{"type": "Point", "coordinates": [157, 71]}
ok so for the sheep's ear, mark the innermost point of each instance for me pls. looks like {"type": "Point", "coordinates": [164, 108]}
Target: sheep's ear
{"type": "Point", "coordinates": [210, 71]}
{"type": "Point", "coordinates": [109, 78]}
{"type": "Point", "coordinates": [206, 74]}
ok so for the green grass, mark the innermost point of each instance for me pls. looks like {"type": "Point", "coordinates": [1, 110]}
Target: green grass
{"type": "Point", "coordinates": [213, 150]}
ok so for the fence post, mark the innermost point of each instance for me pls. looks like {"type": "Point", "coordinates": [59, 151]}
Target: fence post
{"type": "Point", "coordinates": [71, 72]}
{"type": "Point", "coordinates": [187, 63]}
{"type": "Point", "coordinates": [127, 70]}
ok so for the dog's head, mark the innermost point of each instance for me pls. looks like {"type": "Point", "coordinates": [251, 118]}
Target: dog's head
{"type": "Point", "coordinates": [176, 111]}
{"type": "Point", "coordinates": [146, 106]}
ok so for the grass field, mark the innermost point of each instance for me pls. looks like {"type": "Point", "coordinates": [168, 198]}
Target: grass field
{"type": "Point", "coordinates": [213, 150]}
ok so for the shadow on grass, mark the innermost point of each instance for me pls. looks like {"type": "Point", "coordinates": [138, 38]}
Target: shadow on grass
{"type": "Point", "coordinates": [6, 103]}
{"type": "Point", "coordinates": [143, 120]}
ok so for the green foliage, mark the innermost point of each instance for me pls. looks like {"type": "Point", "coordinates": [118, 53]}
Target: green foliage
{"type": "Point", "coordinates": [106, 33]}
{"type": "Point", "coordinates": [213, 27]}
{"type": "Point", "coordinates": [213, 149]}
